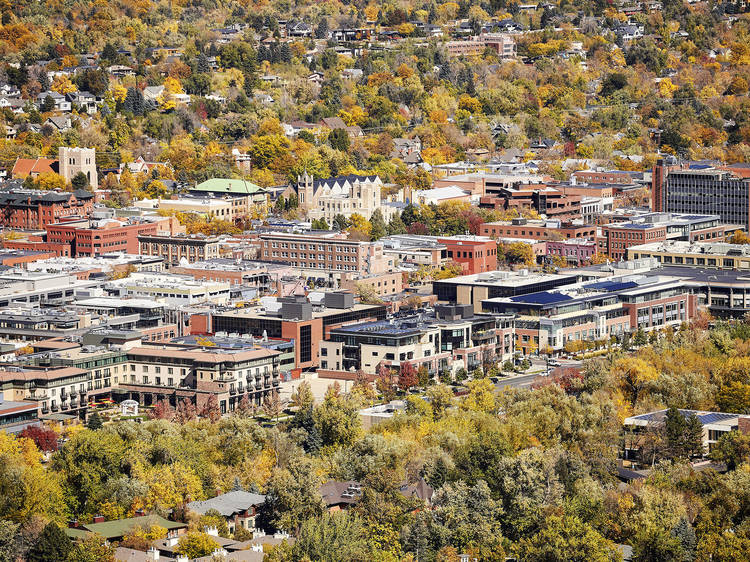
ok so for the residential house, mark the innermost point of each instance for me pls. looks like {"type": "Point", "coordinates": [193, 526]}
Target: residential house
{"type": "Point", "coordinates": [61, 123]}
{"type": "Point", "coordinates": [85, 101]}
{"type": "Point", "coordinates": [333, 123]}
{"type": "Point", "coordinates": [60, 101]}
{"type": "Point", "coordinates": [238, 507]}
{"type": "Point", "coordinates": [117, 529]}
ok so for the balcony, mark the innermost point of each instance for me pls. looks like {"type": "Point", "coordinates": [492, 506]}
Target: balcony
{"type": "Point", "coordinates": [45, 409]}
{"type": "Point", "coordinates": [258, 385]}
{"type": "Point", "coordinates": [55, 407]}
{"type": "Point", "coordinates": [276, 382]}
{"type": "Point", "coordinates": [232, 391]}
{"type": "Point", "coordinates": [73, 403]}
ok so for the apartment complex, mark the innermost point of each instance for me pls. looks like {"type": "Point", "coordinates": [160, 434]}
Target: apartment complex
{"type": "Point", "coordinates": [25, 209]}
{"type": "Point", "coordinates": [454, 337]}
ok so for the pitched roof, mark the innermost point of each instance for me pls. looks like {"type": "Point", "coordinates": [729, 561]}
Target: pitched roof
{"type": "Point", "coordinates": [227, 185]}
{"type": "Point", "coordinates": [333, 123]}
{"type": "Point", "coordinates": [121, 527]}
{"type": "Point", "coordinates": [26, 166]}
{"type": "Point", "coordinates": [228, 504]}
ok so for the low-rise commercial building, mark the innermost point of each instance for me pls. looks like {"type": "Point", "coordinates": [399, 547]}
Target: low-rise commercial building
{"type": "Point", "coordinates": [473, 289]}
{"type": "Point", "coordinates": [172, 289]}
{"type": "Point", "coordinates": [538, 229]}
{"type": "Point", "coordinates": [617, 237]}
{"type": "Point", "coordinates": [596, 311]}
{"type": "Point", "coordinates": [714, 255]}
{"type": "Point", "coordinates": [178, 249]}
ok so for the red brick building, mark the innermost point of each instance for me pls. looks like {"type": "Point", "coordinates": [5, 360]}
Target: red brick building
{"type": "Point", "coordinates": [545, 200]}
{"type": "Point", "coordinates": [476, 254]}
{"type": "Point", "coordinates": [92, 239]}
{"type": "Point", "coordinates": [537, 230]}
{"type": "Point", "coordinates": [34, 210]}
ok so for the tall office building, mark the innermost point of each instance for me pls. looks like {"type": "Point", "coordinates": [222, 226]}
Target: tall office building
{"type": "Point", "coordinates": [701, 190]}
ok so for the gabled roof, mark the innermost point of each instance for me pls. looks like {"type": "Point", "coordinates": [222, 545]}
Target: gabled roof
{"type": "Point", "coordinates": [120, 527]}
{"type": "Point", "coordinates": [28, 166]}
{"type": "Point", "coordinates": [333, 123]}
{"type": "Point", "coordinates": [229, 504]}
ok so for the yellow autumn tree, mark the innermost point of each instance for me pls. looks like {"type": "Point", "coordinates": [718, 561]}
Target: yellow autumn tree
{"type": "Point", "coordinates": [168, 485]}
{"type": "Point", "coordinates": [62, 85]}
{"type": "Point", "coordinates": [28, 489]}
{"type": "Point", "coordinates": [481, 397]}
{"type": "Point", "coordinates": [633, 375]}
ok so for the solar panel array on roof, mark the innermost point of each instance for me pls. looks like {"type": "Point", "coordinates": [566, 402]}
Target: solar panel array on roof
{"type": "Point", "coordinates": [543, 297]}
{"type": "Point", "coordinates": [714, 417]}
{"type": "Point", "coordinates": [611, 285]}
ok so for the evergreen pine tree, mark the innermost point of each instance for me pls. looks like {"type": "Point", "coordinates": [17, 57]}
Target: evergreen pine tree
{"type": "Point", "coordinates": [53, 544]}
{"type": "Point", "coordinates": [396, 225]}
{"type": "Point", "coordinates": [693, 437]}
{"type": "Point", "coordinates": [686, 535]}
{"type": "Point", "coordinates": [674, 431]}
{"type": "Point", "coordinates": [378, 226]}
{"type": "Point", "coordinates": [202, 65]}
{"type": "Point", "coordinates": [94, 422]}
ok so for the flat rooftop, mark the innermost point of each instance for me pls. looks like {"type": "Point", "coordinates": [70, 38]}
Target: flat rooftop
{"type": "Point", "coordinates": [507, 278]}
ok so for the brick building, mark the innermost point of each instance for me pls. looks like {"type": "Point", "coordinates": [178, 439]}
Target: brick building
{"type": "Point", "coordinates": [476, 254]}
{"type": "Point", "coordinates": [537, 229]}
{"type": "Point", "coordinates": [193, 248]}
{"type": "Point", "coordinates": [25, 209]}
{"type": "Point", "coordinates": [617, 237]}
{"type": "Point", "coordinates": [93, 238]}
{"type": "Point", "coordinates": [545, 200]}
{"type": "Point", "coordinates": [328, 252]}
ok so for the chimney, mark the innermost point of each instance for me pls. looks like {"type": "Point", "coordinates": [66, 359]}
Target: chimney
{"type": "Point", "coordinates": [153, 554]}
{"type": "Point", "coordinates": [98, 518]}
{"type": "Point", "coordinates": [211, 531]}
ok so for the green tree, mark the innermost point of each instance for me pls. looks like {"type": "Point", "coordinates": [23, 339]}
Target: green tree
{"type": "Point", "coordinates": [732, 448]}
{"type": "Point", "coordinates": [94, 422]}
{"type": "Point", "coordinates": [92, 548]}
{"type": "Point", "coordinates": [567, 539]}
{"type": "Point", "coordinates": [195, 545]}
{"type": "Point", "coordinates": [319, 224]}
{"type": "Point", "coordinates": [337, 419]}
{"type": "Point", "coordinates": [8, 540]}
{"type": "Point", "coordinates": [339, 139]}
{"type": "Point", "coordinates": [332, 537]}
{"type": "Point", "coordinates": [652, 544]}
{"type": "Point", "coordinates": [48, 104]}
{"type": "Point", "coordinates": [340, 222]}
{"type": "Point", "coordinates": [52, 544]}
{"type": "Point", "coordinates": [80, 181]}
{"type": "Point", "coordinates": [378, 226]}
{"type": "Point", "coordinates": [292, 496]}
